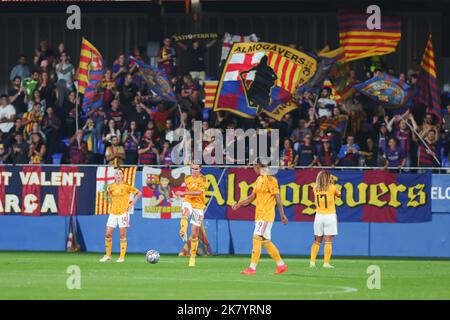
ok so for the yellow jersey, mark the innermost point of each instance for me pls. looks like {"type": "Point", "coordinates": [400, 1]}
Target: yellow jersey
{"type": "Point", "coordinates": [196, 184]}
{"type": "Point", "coordinates": [266, 188]}
{"type": "Point", "coordinates": [324, 200]}
{"type": "Point", "coordinates": [120, 197]}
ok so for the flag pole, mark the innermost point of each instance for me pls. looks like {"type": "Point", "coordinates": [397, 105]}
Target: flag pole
{"type": "Point", "coordinates": [76, 109]}
{"type": "Point", "coordinates": [421, 139]}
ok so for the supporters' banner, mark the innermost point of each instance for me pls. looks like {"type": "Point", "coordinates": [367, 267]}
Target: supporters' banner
{"type": "Point", "coordinates": [90, 68]}
{"type": "Point", "coordinates": [262, 77]}
{"type": "Point", "coordinates": [429, 93]}
{"type": "Point", "coordinates": [105, 177]}
{"type": "Point", "coordinates": [46, 191]}
{"type": "Point", "coordinates": [359, 42]}
{"type": "Point", "coordinates": [229, 39]}
{"type": "Point", "coordinates": [440, 193]}
{"type": "Point", "coordinates": [385, 89]}
{"type": "Point", "coordinates": [158, 192]}
{"type": "Point", "coordinates": [156, 80]}
{"type": "Point", "coordinates": [370, 196]}
{"type": "Point", "coordinates": [210, 93]}
{"type": "Point", "coordinates": [195, 36]}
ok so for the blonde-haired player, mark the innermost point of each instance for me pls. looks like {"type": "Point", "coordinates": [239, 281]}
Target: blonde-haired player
{"type": "Point", "coordinates": [325, 222]}
{"type": "Point", "coordinates": [267, 194]}
{"type": "Point", "coordinates": [119, 194]}
{"type": "Point", "coordinates": [193, 206]}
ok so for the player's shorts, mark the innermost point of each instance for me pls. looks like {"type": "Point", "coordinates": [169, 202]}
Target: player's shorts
{"type": "Point", "coordinates": [196, 215]}
{"type": "Point", "coordinates": [263, 229]}
{"type": "Point", "coordinates": [325, 224]}
{"type": "Point", "coordinates": [121, 220]}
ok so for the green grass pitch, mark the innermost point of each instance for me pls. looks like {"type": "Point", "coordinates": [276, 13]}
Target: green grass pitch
{"type": "Point", "coordinates": [33, 275]}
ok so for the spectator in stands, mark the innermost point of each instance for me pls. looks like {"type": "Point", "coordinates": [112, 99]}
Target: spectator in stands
{"type": "Point", "coordinates": [37, 149]}
{"type": "Point", "coordinates": [189, 97]}
{"type": "Point", "coordinates": [299, 133]}
{"type": "Point", "coordinates": [51, 125]}
{"type": "Point", "coordinates": [31, 117]}
{"type": "Point", "coordinates": [370, 154]}
{"type": "Point", "coordinates": [325, 104]}
{"type": "Point", "coordinates": [128, 90]}
{"type": "Point", "coordinates": [327, 157]}
{"type": "Point", "coordinates": [65, 72]}
{"type": "Point", "coordinates": [117, 115]}
{"type": "Point", "coordinates": [36, 128]}
{"type": "Point", "coordinates": [138, 114]}
{"type": "Point", "coordinates": [109, 87]}
{"type": "Point", "coordinates": [78, 148]}
{"type": "Point", "coordinates": [446, 132]}
{"type": "Point", "coordinates": [110, 131]}
{"type": "Point", "coordinates": [20, 150]}
{"type": "Point", "coordinates": [7, 114]}
{"type": "Point", "coordinates": [70, 115]}
{"type": "Point", "coordinates": [166, 154]}
{"type": "Point", "coordinates": [167, 58]}
{"type": "Point", "coordinates": [148, 153]}
{"type": "Point", "coordinates": [196, 57]}
{"type": "Point", "coordinates": [428, 124]}
{"type": "Point", "coordinates": [427, 155]}
{"type": "Point", "coordinates": [382, 138]}
{"type": "Point", "coordinates": [90, 136]}
{"type": "Point", "coordinates": [18, 128]}
{"type": "Point", "coordinates": [349, 153]}
{"type": "Point", "coordinates": [17, 95]}
{"type": "Point", "coordinates": [21, 70]}
{"type": "Point", "coordinates": [46, 88]}
{"type": "Point", "coordinates": [119, 70]}
{"type": "Point", "coordinates": [130, 139]}
{"type": "Point", "coordinates": [306, 152]}
{"type": "Point", "coordinates": [36, 98]}
{"type": "Point", "coordinates": [115, 153]}
{"type": "Point", "coordinates": [43, 52]}
{"type": "Point", "coordinates": [395, 156]}
{"type": "Point", "coordinates": [288, 157]}
{"type": "Point", "coordinates": [167, 132]}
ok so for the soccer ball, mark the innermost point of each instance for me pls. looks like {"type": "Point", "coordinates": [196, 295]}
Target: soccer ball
{"type": "Point", "coordinates": [152, 256]}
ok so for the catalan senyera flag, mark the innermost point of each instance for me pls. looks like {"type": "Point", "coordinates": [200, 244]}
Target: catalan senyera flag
{"type": "Point", "coordinates": [210, 88]}
{"type": "Point", "coordinates": [429, 93]}
{"type": "Point", "coordinates": [262, 77]}
{"type": "Point", "coordinates": [90, 65]}
{"type": "Point", "coordinates": [105, 177]}
{"type": "Point", "coordinates": [358, 41]}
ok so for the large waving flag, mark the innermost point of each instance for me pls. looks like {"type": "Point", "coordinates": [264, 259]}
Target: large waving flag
{"type": "Point", "coordinates": [91, 65]}
{"type": "Point", "coordinates": [360, 42]}
{"type": "Point", "coordinates": [156, 80]}
{"type": "Point", "coordinates": [385, 89]}
{"type": "Point", "coordinates": [428, 92]}
{"type": "Point", "coordinates": [262, 77]}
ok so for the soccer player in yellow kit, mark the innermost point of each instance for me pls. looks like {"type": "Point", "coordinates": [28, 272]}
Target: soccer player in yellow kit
{"type": "Point", "coordinates": [266, 193]}
{"type": "Point", "coordinates": [325, 222]}
{"type": "Point", "coordinates": [193, 206]}
{"type": "Point", "coordinates": [119, 193]}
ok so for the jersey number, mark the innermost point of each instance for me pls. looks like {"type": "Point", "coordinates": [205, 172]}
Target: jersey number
{"type": "Point", "coordinates": [324, 196]}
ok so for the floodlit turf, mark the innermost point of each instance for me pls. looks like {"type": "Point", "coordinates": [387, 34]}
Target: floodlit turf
{"type": "Point", "coordinates": [31, 275]}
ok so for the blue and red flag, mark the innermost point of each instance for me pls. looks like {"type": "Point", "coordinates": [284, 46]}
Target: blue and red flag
{"type": "Point", "coordinates": [262, 77]}
{"type": "Point", "coordinates": [428, 87]}
{"type": "Point", "coordinates": [156, 80]}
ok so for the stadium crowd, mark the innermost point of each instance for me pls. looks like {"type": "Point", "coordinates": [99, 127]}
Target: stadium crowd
{"type": "Point", "coordinates": [134, 126]}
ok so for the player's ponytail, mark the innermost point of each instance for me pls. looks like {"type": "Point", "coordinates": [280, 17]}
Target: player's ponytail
{"type": "Point", "coordinates": [322, 181]}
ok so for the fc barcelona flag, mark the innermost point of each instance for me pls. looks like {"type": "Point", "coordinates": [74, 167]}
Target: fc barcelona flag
{"type": "Point", "coordinates": [429, 94]}
{"type": "Point", "coordinates": [385, 89]}
{"type": "Point", "coordinates": [90, 68]}
{"type": "Point", "coordinates": [105, 177]}
{"type": "Point", "coordinates": [360, 42]}
{"type": "Point", "coordinates": [262, 77]}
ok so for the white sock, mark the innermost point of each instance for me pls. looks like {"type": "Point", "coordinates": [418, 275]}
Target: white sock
{"type": "Point", "coordinates": [280, 263]}
{"type": "Point", "coordinates": [253, 266]}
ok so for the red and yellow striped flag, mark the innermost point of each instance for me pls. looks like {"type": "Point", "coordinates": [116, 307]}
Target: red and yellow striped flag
{"type": "Point", "coordinates": [429, 93]}
{"type": "Point", "coordinates": [360, 42]}
{"type": "Point", "coordinates": [90, 60]}
{"type": "Point", "coordinates": [210, 93]}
